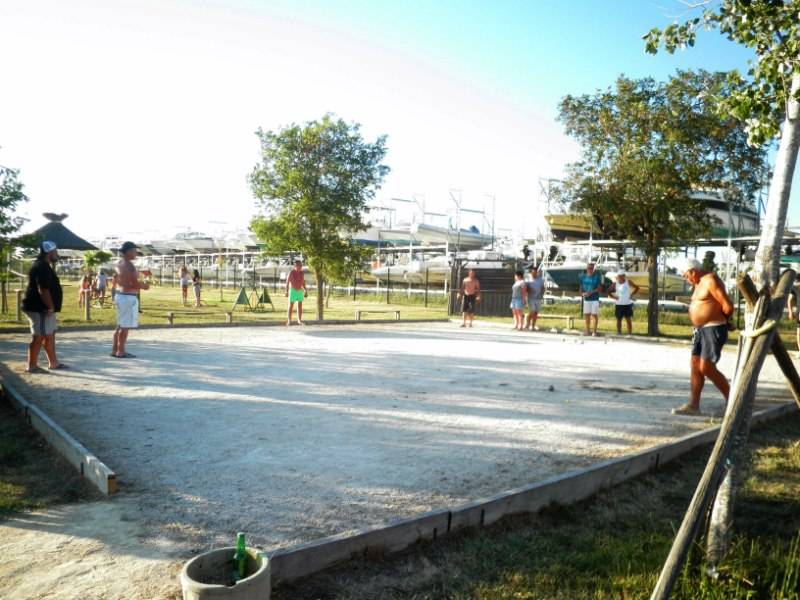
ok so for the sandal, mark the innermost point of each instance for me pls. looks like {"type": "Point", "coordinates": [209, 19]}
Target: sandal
{"type": "Point", "coordinates": [125, 355]}
{"type": "Point", "coordinates": [34, 370]}
{"type": "Point", "coordinates": [58, 366]}
{"type": "Point", "coordinates": [687, 411]}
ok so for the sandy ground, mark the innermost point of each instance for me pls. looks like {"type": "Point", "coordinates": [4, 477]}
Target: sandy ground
{"type": "Point", "coordinates": [290, 435]}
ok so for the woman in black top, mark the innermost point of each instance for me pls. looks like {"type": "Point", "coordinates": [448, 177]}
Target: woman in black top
{"type": "Point", "coordinates": [42, 301]}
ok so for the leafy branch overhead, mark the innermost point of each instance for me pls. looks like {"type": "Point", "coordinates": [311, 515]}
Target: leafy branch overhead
{"type": "Point", "coordinates": [772, 29]}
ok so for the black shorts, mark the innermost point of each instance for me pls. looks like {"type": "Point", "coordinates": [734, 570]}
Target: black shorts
{"type": "Point", "coordinates": [623, 310]}
{"type": "Point", "coordinates": [469, 303]}
{"type": "Point", "coordinates": [707, 342]}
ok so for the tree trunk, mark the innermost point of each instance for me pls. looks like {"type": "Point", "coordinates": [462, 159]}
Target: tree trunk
{"type": "Point", "coordinates": [320, 294]}
{"type": "Point", "coordinates": [765, 273]}
{"type": "Point", "coordinates": [652, 303]}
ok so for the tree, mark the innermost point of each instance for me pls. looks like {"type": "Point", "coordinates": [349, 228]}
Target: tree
{"type": "Point", "coordinates": [95, 258]}
{"type": "Point", "coordinates": [768, 102]}
{"type": "Point", "coordinates": [646, 147]}
{"type": "Point", "coordinates": [313, 184]}
{"type": "Point", "coordinates": [11, 195]}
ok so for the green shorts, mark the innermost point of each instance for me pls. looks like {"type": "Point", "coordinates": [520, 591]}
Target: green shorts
{"type": "Point", "coordinates": [296, 295]}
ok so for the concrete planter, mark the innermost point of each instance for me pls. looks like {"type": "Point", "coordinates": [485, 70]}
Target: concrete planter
{"type": "Point", "coordinates": [202, 577]}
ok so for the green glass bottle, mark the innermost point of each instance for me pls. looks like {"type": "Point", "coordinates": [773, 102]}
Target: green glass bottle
{"type": "Point", "coordinates": [240, 558]}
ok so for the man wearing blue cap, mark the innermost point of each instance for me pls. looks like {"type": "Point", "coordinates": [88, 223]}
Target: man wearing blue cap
{"type": "Point", "coordinates": [42, 301]}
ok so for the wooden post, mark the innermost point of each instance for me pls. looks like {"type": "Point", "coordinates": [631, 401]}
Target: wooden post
{"type": "Point", "coordinates": [19, 306]}
{"type": "Point", "coordinates": [750, 294]}
{"type": "Point", "coordinates": [171, 318]}
{"type": "Point", "coordinates": [87, 307]}
{"type": "Point", "coordinates": [754, 352]}
{"type": "Point", "coordinates": [228, 318]}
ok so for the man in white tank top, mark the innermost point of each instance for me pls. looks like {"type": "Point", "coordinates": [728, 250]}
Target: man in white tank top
{"type": "Point", "coordinates": [623, 291]}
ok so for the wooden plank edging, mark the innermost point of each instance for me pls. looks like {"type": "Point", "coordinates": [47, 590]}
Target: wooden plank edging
{"type": "Point", "coordinates": [88, 465]}
{"type": "Point", "coordinates": [303, 560]}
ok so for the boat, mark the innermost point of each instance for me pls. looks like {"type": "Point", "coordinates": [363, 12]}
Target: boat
{"type": "Point", "coordinates": [728, 219]}
{"type": "Point", "coordinates": [570, 263]}
{"type": "Point", "coordinates": [670, 284]}
{"type": "Point", "coordinates": [569, 226]}
{"type": "Point", "coordinates": [459, 239]}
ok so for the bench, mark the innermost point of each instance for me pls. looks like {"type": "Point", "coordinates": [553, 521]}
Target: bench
{"type": "Point", "coordinates": [570, 319]}
{"type": "Point", "coordinates": [396, 313]}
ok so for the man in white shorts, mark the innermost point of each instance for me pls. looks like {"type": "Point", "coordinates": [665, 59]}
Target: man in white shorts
{"type": "Point", "coordinates": [127, 299]}
{"type": "Point", "coordinates": [590, 283]}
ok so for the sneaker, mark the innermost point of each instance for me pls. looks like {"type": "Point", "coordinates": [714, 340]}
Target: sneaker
{"type": "Point", "coordinates": [687, 411]}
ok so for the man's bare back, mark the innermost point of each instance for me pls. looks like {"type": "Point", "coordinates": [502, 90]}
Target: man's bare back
{"type": "Point", "coordinates": [710, 302]}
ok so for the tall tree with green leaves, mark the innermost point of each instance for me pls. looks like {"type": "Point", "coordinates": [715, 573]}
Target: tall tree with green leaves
{"type": "Point", "coordinates": [11, 196]}
{"type": "Point", "coordinates": [313, 184]}
{"type": "Point", "coordinates": [646, 148]}
{"type": "Point", "coordinates": [767, 101]}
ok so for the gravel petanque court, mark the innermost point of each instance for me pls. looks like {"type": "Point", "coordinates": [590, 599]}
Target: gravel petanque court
{"type": "Point", "coordinates": [293, 434]}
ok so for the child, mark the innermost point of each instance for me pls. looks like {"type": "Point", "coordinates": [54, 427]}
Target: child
{"type": "Point", "coordinates": [623, 291]}
{"type": "Point", "coordinates": [196, 285]}
{"type": "Point", "coordinates": [519, 296]}
{"type": "Point", "coordinates": [184, 274]}
{"type": "Point", "coordinates": [85, 291]}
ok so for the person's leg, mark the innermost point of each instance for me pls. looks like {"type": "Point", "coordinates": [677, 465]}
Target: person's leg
{"type": "Point", "coordinates": [594, 326]}
{"type": "Point", "coordinates": [33, 351]}
{"type": "Point", "coordinates": [709, 369]}
{"type": "Point", "coordinates": [471, 318]}
{"type": "Point", "coordinates": [121, 340]}
{"type": "Point", "coordinates": [535, 318]}
{"type": "Point", "coordinates": [588, 318]}
{"type": "Point", "coordinates": [115, 346]}
{"type": "Point", "coordinates": [464, 319]}
{"type": "Point", "coordinates": [696, 381]}
{"type": "Point", "coordinates": [300, 312]}
{"type": "Point", "coordinates": [629, 322]}
{"type": "Point", "coordinates": [289, 313]}
{"type": "Point", "coordinates": [50, 350]}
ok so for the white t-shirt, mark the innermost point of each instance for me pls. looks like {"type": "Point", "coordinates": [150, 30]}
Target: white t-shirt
{"type": "Point", "coordinates": [623, 292]}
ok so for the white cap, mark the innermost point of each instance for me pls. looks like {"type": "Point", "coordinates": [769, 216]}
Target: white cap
{"type": "Point", "coordinates": [48, 247]}
{"type": "Point", "coordinates": [690, 263]}
{"type": "Point", "coordinates": [621, 272]}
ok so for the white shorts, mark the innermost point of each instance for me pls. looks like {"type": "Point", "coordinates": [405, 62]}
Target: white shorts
{"type": "Point", "coordinates": [591, 307]}
{"type": "Point", "coordinates": [127, 311]}
{"type": "Point", "coordinates": [42, 324]}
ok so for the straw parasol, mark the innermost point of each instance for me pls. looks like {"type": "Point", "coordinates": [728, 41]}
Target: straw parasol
{"type": "Point", "coordinates": [56, 231]}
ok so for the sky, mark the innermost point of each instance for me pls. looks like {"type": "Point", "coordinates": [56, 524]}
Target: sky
{"type": "Point", "coordinates": [138, 118]}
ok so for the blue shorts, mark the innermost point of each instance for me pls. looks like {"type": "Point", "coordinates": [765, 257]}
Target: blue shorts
{"type": "Point", "coordinates": [517, 304]}
{"type": "Point", "coordinates": [707, 342]}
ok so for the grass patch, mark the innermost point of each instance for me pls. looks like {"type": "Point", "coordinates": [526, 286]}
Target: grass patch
{"type": "Point", "coordinates": [611, 546]}
{"type": "Point", "coordinates": [31, 475]}
{"type": "Point", "coordinates": [160, 300]}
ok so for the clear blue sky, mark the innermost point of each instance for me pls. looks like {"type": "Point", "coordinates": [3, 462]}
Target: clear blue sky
{"type": "Point", "coordinates": [153, 103]}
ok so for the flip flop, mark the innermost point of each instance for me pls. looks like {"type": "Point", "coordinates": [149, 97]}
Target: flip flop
{"type": "Point", "coordinates": [125, 355]}
{"type": "Point", "coordinates": [34, 370]}
{"type": "Point", "coordinates": [687, 411]}
{"type": "Point", "coordinates": [58, 366]}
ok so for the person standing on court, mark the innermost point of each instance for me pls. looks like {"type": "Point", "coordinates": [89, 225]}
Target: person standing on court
{"type": "Point", "coordinates": [127, 297]}
{"type": "Point", "coordinates": [535, 297]}
{"type": "Point", "coordinates": [296, 291]}
{"type": "Point", "coordinates": [591, 282]}
{"type": "Point", "coordinates": [42, 300]}
{"type": "Point", "coordinates": [519, 296]}
{"type": "Point", "coordinates": [470, 293]}
{"type": "Point", "coordinates": [622, 291]}
{"type": "Point", "coordinates": [710, 311]}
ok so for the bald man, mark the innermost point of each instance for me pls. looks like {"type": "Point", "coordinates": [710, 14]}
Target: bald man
{"type": "Point", "coordinates": [710, 311]}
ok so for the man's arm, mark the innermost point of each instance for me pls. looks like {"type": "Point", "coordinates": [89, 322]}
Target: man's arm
{"type": "Point", "coordinates": [611, 289]}
{"type": "Point", "coordinates": [634, 288]}
{"type": "Point", "coordinates": [717, 291]}
{"type": "Point", "coordinates": [46, 298]}
{"type": "Point", "coordinates": [477, 291]}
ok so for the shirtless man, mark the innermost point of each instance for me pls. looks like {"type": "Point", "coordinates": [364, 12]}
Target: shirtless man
{"type": "Point", "coordinates": [127, 299]}
{"type": "Point", "coordinates": [710, 312]}
{"type": "Point", "coordinates": [471, 293]}
{"type": "Point", "coordinates": [296, 291]}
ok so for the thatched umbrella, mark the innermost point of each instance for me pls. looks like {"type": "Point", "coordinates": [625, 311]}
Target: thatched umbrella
{"type": "Point", "coordinates": [56, 231]}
